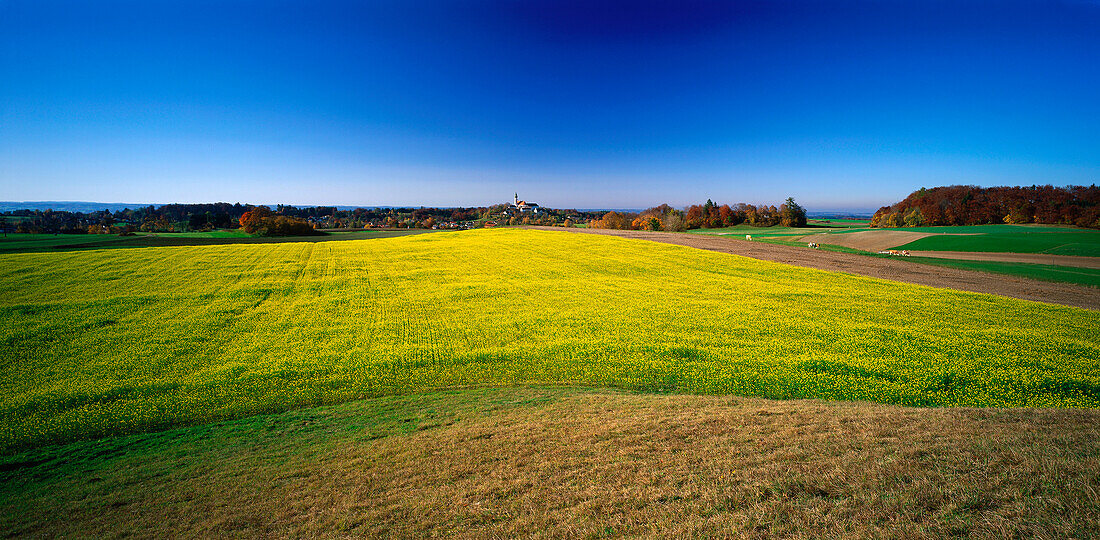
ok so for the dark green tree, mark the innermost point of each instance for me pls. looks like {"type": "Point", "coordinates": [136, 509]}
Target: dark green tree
{"type": "Point", "coordinates": [791, 214]}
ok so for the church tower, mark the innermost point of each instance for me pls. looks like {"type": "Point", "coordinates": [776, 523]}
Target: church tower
{"type": "Point", "coordinates": [516, 199]}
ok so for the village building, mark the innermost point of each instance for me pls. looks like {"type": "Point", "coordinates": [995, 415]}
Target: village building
{"type": "Point", "coordinates": [522, 207]}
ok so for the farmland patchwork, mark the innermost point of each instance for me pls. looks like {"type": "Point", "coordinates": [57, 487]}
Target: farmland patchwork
{"type": "Point", "coordinates": [106, 342]}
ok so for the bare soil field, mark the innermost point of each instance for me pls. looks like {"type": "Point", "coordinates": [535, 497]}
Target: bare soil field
{"type": "Point", "coordinates": [867, 240]}
{"type": "Point", "coordinates": [1033, 258]}
{"type": "Point", "coordinates": [882, 268]}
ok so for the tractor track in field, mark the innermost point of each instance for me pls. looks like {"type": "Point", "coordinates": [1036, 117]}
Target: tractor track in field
{"type": "Point", "coordinates": [876, 267]}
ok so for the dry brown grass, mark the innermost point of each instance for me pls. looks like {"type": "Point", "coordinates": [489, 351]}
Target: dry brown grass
{"type": "Point", "coordinates": [580, 463]}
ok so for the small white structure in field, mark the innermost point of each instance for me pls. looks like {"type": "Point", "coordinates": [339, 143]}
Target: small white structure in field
{"type": "Point", "coordinates": [748, 237]}
{"type": "Point", "coordinates": [812, 245]}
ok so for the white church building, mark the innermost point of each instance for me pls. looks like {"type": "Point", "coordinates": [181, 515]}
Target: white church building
{"type": "Point", "coordinates": [523, 207]}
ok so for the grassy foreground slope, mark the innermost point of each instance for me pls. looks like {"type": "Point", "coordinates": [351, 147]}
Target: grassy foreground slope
{"type": "Point", "coordinates": [574, 462]}
{"type": "Point", "coordinates": [120, 341]}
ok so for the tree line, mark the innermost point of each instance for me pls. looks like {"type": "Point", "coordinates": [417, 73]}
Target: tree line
{"type": "Point", "coordinates": [973, 205]}
{"type": "Point", "coordinates": [280, 220]}
{"type": "Point", "coordinates": [708, 215]}
{"type": "Point", "coordinates": [291, 220]}
{"type": "Point", "coordinates": [261, 221]}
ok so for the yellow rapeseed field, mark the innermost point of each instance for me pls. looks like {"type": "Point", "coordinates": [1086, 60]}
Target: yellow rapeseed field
{"type": "Point", "coordinates": [119, 341]}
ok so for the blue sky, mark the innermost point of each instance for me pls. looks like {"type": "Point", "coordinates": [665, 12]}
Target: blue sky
{"type": "Point", "coordinates": [843, 105]}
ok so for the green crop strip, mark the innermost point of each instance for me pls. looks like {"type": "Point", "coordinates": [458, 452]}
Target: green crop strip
{"type": "Point", "coordinates": [1080, 242]}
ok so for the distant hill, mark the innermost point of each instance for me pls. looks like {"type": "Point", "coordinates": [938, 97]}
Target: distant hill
{"type": "Point", "coordinates": [66, 206]}
{"type": "Point", "coordinates": [841, 214]}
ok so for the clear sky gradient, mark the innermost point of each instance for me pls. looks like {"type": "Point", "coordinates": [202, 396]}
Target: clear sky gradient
{"type": "Point", "coordinates": [843, 105]}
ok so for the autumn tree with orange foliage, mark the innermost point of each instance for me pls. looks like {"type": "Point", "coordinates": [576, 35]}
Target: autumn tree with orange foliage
{"type": "Point", "coordinates": [253, 220]}
{"type": "Point", "coordinates": [709, 215]}
{"type": "Point", "coordinates": [610, 220]}
{"type": "Point", "coordinates": [261, 221]}
{"type": "Point", "coordinates": [973, 205]}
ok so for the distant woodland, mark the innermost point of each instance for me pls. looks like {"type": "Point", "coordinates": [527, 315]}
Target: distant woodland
{"type": "Point", "coordinates": [973, 205]}
{"type": "Point", "coordinates": [708, 216]}
{"type": "Point", "coordinates": [289, 220]}
{"type": "Point", "coordinates": [279, 221]}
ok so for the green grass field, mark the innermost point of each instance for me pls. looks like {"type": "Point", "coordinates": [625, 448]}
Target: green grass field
{"type": "Point", "coordinates": [1050, 239]}
{"type": "Point", "coordinates": [839, 222]}
{"type": "Point", "coordinates": [221, 233]}
{"type": "Point", "coordinates": [106, 342]}
{"type": "Point", "coordinates": [17, 242]}
{"type": "Point", "coordinates": [1082, 242]}
{"type": "Point", "coordinates": [1090, 277]}
{"type": "Point", "coordinates": [1046, 239]}
{"type": "Point", "coordinates": [25, 243]}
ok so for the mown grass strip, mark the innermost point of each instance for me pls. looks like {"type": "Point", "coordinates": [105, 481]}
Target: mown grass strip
{"type": "Point", "coordinates": [526, 461]}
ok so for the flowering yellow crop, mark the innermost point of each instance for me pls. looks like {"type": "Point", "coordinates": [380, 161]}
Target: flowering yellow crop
{"type": "Point", "coordinates": [127, 340]}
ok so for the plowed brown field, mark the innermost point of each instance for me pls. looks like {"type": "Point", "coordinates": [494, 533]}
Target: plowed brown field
{"type": "Point", "coordinates": [866, 240]}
